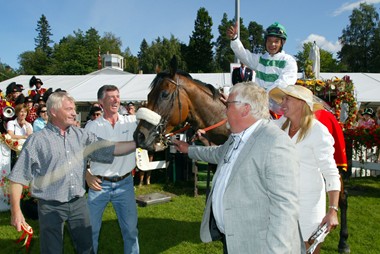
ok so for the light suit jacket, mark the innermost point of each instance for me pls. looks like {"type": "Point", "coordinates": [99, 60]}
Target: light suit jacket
{"type": "Point", "coordinates": [261, 198]}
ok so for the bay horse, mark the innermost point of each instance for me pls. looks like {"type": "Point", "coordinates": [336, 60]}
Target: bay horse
{"type": "Point", "coordinates": [178, 98]}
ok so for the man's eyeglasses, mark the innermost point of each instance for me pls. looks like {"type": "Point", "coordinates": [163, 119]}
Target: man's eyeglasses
{"type": "Point", "coordinates": [231, 102]}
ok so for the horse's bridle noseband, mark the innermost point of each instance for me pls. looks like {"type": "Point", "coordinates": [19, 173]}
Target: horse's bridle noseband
{"type": "Point", "coordinates": [161, 126]}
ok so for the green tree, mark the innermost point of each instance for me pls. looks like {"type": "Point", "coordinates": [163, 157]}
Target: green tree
{"type": "Point", "coordinates": [327, 61]}
{"type": "Point", "coordinates": [374, 63]}
{"type": "Point", "coordinates": [223, 53]}
{"type": "Point", "coordinates": [33, 62]}
{"type": "Point", "coordinates": [69, 56]}
{"type": "Point", "coordinates": [78, 54]}
{"type": "Point", "coordinates": [199, 56]}
{"type": "Point", "coordinates": [256, 37]}
{"type": "Point", "coordinates": [131, 62]}
{"type": "Point", "coordinates": [6, 72]}
{"type": "Point", "coordinates": [38, 61]}
{"type": "Point", "coordinates": [141, 56]}
{"type": "Point", "coordinates": [43, 40]}
{"type": "Point", "coordinates": [156, 57]}
{"type": "Point", "coordinates": [244, 35]}
{"type": "Point", "coordinates": [358, 38]}
{"type": "Point", "coordinates": [110, 43]}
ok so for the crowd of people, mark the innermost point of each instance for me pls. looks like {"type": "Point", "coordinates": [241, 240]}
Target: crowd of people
{"type": "Point", "coordinates": [268, 193]}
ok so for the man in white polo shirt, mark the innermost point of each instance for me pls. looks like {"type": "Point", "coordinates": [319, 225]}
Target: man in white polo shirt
{"type": "Point", "coordinates": [113, 182]}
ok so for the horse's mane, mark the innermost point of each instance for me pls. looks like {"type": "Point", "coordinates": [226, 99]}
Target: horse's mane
{"type": "Point", "coordinates": [166, 74]}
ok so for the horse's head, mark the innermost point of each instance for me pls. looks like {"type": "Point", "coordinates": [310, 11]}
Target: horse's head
{"type": "Point", "coordinates": [167, 107]}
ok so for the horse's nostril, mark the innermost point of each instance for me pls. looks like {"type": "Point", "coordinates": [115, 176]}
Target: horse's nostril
{"type": "Point", "coordinates": [140, 137]}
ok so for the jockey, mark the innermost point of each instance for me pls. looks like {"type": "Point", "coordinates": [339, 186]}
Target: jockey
{"type": "Point", "coordinates": [273, 69]}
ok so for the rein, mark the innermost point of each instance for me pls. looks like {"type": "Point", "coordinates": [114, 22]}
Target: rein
{"type": "Point", "coordinates": [164, 140]}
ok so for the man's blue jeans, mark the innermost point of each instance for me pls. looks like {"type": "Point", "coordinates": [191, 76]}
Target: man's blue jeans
{"type": "Point", "coordinates": [122, 196]}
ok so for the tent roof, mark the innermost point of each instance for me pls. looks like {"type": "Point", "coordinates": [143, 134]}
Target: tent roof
{"type": "Point", "coordinates": [135, 87]}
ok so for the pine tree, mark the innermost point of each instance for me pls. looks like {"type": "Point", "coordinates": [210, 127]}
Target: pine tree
{"type": "Point", "coordinates": [199, 54]}
{"type": "Point", "coordinates": [43, 38]}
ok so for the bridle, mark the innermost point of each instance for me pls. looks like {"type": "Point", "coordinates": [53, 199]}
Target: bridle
{"type": "Point", "coordinates": [164, 140]}
{"type": "Point", "coordinates": [159, 129]}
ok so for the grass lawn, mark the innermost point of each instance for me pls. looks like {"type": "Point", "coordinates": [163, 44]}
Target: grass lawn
{"type": "Point", "coordinates": [173, 227]}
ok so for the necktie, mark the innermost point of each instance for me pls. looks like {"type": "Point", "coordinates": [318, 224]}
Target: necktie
{"type": "Point", "coordinates": [233, 145]}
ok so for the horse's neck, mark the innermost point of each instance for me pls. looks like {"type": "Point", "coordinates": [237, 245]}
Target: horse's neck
{"type": "Point", "coordinates": [205, 112]}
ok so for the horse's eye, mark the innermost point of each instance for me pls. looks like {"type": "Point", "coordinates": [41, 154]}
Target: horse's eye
{"type": "Point", "coordinates": [164, 94]}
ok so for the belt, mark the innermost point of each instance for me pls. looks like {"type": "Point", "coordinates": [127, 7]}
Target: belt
{"type": "Point", "coordinates": [113, 178]}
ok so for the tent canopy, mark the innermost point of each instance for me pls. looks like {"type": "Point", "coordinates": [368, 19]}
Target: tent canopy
{"type": "Point", "coordinates": [135, 87]}
{"type": "Point", "coordinates": [84, 87]}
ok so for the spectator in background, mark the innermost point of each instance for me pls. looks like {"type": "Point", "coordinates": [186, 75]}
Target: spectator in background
{"type": "Point", "coordinates": [131, 108]}
{"type": "Point", "coordinates": [32, 110]}
{"type": "Point", "coordinates": [14, 94]}
{"type": "Point", "coordinates": [367, 120]}
{"type": "Point", "coordinates": [20, 128]}
{"type": "Point", "coordinates": [378, 116]}
{"type": "Point", "coordinates": [241, 74]}
{"type": "Point", "coordinates": [37, 83]}
{"type": "Point", "coordinates": [95, 113]}
{"type": "Point", "coordinates": [42, 119]}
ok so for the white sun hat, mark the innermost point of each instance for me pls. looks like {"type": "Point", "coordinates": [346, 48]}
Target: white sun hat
{"type": "Point", "coordinates": [296, 91]}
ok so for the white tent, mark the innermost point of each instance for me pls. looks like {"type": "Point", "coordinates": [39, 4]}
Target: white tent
{"type": "Point", "coordinates": [135, 87]}
{"type": "Point", "coordinates": [84, 87]}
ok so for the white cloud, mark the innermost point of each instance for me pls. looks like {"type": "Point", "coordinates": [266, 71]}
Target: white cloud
{"type": "Point", "coordinates": [323, 43]}
{"type": "Point", "coordinates": [350, 6]}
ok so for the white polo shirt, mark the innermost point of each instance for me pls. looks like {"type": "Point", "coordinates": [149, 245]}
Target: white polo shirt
{"type": "Point", "coordinates": [122, 131]}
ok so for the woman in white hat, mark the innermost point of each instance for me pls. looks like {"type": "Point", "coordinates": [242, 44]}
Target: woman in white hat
{"type": "Point", "coordinates": [318, 170]}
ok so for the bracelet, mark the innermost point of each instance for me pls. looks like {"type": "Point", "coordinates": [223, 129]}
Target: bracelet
{"type": "Point", "coordinates": [235, 37]}
{"type": "Point", "coordinates": [334, 207]}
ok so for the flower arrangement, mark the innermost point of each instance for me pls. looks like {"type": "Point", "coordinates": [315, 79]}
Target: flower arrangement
{"type": "Point", "coordinates": [361, 137]}
{"type": "Point", "coordinates": [4, 185]}
{"type": "Point", "coordinates": [336, 92]}
{"type": "Point", "coordinates": [13, 144]}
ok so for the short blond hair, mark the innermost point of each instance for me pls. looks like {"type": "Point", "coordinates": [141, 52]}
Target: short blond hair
{"type": "Point", "coordinates": [254, 95]}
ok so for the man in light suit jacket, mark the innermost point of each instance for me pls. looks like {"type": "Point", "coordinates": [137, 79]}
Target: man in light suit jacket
{"type": "Point", "coordinates": [241, 74]}
{"type": "Point", "coordinates": [253, 205]}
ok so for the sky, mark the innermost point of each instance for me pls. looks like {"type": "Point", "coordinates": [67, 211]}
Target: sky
{"type": "Point", "coordinates": [134, 20]}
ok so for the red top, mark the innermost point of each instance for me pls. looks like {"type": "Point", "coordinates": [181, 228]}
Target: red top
{"type": "Point", "coordinates": [329, 120]}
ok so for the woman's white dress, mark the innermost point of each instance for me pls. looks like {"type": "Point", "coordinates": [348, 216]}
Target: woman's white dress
{"type": "Point", "coordinates": [318, 174]}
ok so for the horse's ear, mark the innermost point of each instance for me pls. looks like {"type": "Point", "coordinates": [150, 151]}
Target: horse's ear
{"type": "Point", "coordinates": [173, 66]}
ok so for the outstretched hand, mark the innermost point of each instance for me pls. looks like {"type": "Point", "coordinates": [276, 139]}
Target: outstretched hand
{"type": "Point", "coordinates": [232, 31]}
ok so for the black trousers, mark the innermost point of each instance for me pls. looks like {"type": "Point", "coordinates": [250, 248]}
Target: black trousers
{"type": "Point", "coordinates": [223, 240]}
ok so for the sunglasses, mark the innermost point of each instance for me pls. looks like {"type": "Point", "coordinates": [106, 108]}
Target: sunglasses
{"type": "Point", "coordinates": [43, 111]}
{"type": "Point", "coordinates": [97, 114]}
